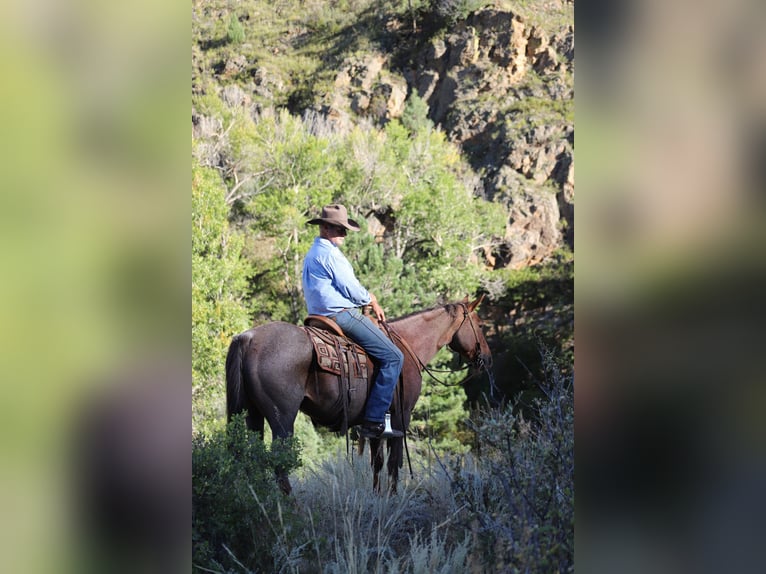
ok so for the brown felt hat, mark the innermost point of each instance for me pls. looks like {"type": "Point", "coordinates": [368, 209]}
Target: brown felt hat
{"type": "Point", "coordinates": [335, 214]}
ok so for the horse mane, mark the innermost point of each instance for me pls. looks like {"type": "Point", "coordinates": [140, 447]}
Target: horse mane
{"type": "Point", "coordinates": [451, 308]}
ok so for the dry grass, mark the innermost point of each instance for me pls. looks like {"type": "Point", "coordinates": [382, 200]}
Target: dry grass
{"type": "Point", "coordinates": [508, 508]}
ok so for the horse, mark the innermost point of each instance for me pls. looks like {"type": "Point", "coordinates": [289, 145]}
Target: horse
{"type": "Point", "coordinates": [271, 373]}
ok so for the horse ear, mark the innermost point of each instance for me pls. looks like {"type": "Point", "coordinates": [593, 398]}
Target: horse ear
{"type": "Point", "coordinates": [476, 303]}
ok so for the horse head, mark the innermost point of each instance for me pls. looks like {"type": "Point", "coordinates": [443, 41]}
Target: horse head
{"type": "Point", "coordinates": [469, 339]}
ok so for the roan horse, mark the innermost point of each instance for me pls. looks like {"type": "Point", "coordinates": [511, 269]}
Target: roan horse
{"type": "Point", "coordinates": [271, 372]}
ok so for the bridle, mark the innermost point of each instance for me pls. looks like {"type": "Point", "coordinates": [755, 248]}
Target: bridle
{"type": "Point", "coordinates": [477, 362]}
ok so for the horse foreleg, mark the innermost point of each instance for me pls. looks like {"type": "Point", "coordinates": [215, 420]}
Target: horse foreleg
{"type": "Point", "coordinates": [376, 461]}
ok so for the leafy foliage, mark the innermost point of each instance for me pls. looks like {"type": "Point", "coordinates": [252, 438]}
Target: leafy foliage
{"type": "Point", "coordinates": [434, 222]}
{"type": "Point", "coordinates": [234, 497]}
{"type": "Point", "coordinates": [441, 412]}
{"type": "Point", "coordinates": [235, 32]}
{"type": "Point", "coordinates": [448, 12]}
{"type": "Point", "coordinates": [539, 302]}
{"type": "Point", "coordinates": [415, 115]}
{"type": "Point", "coordinates": [219, 278]}
{"type": "Point", "coordinates": [282, 169]}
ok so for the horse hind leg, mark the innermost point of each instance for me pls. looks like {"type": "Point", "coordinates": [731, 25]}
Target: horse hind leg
{"type": "Point", "coordinates": [255, 421]}
{"type": "Point", "coordinates": [283, 482]}
{"type": "Point", "coordinates": [282, 430]}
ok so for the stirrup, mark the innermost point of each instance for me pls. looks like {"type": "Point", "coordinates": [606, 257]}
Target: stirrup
{"type": "Point", "coordinates": [379, 430]}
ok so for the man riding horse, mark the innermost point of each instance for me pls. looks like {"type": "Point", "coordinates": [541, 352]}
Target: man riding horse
{"type": "Point", "coordinates": [332, 290]}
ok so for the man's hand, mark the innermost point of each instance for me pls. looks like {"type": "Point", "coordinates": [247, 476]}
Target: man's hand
{"type": "Point", "coordinates": [377, 309]}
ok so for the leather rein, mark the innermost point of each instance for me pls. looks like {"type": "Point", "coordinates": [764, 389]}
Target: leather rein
{"type": "Point", "coordinates": [478, 362]}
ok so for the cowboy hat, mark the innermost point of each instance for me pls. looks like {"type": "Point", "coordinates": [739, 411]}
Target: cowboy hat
{"type": "Point", "coordinates": [335, 214]}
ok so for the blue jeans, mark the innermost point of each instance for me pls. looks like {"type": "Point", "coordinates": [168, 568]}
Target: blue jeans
{"type": "Point", "coordinates": [390, 360]}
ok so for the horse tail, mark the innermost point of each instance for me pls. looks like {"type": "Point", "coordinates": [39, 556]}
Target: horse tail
{"type": "Point", "coordinates": [236, 401]}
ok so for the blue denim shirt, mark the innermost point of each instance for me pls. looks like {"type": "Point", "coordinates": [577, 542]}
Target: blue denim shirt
{"type": "Point", "coordinates": [329, 283]}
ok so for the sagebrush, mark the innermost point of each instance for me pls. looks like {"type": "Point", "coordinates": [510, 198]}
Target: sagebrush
{"type": "Point", "coordinates": [506, 506]}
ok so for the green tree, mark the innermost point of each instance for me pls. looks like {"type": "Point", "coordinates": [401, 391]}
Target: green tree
{"type": "Point", "coordinates": [415, 115]}
{"type": "Point", "coordinates": [447, 12]}
{"type": "Point", "coordinates": [416, 184]}
{"type": "Point", "coordinates": [219, 279]}
{"type": "Point", "coordinates": [302, 172]}
{"type": "Point", "coordinates": [439, 223]}
{"type": "Point", "coordinates": [396, 287]}
{"type": "Point", "coordinates": [235, 32]}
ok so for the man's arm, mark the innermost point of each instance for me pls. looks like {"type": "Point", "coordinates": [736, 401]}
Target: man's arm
{"type": "Point", "coordinates": [377, 308]}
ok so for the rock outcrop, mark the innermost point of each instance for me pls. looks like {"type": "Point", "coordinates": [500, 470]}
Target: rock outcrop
{"type": "Point", "coordinates": [502, 89]}
{"type": "Point", "coordinates": [368, 89]}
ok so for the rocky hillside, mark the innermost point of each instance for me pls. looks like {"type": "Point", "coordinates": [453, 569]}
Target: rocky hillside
{"type": "Point", "coordinates": [499, 81]}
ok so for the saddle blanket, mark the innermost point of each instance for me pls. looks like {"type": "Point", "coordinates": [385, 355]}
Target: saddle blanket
{"type": "Point", "coordinates": [327, 347]}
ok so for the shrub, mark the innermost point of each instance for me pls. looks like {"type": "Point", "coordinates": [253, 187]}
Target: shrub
{"type": "Point", "coordinates": [235, 500]}
{"type": "Point", "coordinates": [355, 530]}
{"type": "Point", "coordinates": [235, 33]}
{"type": "Point", "coordinates": [520, 489]}
{"type": "Point", "coordinates": [448, 12]}
{"type": "Point", "coordinates": [415, 115]}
